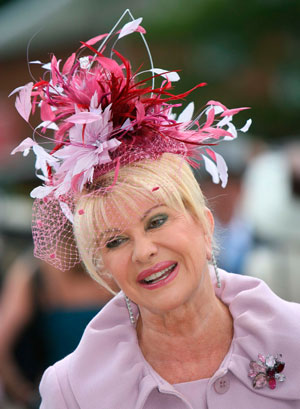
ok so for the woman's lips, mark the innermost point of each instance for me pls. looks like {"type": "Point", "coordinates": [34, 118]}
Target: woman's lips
{"type": "Point", "coordinates": [155, 269]}
{"type": "Point", "coordinates": [162, 280]}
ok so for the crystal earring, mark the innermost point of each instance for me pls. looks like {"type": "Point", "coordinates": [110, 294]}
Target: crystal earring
{"type": "Point", "coordinates": [214, 262]}
{"type": "Point", "coordinates": [128, 304]}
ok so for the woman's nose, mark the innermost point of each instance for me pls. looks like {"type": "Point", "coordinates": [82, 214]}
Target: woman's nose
{"type": "Point", "coordinates": [143, 250]}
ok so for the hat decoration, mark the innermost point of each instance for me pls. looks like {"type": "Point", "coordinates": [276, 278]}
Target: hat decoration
{"type": "Point", "coordinates": [97, 115]}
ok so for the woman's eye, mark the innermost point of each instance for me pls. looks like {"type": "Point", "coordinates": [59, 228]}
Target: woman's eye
{"type": "Point", "coordinates": [116, 242]}
{"type": "Point", "coordinates": [157, 221]}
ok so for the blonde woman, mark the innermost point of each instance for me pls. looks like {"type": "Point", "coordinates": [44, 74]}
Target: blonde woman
{"type": "Point", "coordinates": [119, 189]}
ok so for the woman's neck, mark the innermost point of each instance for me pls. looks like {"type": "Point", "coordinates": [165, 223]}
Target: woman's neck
{"type": "Point", "coordinates": [190, 342]}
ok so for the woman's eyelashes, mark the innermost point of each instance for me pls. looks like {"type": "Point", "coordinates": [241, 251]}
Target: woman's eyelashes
{"type": "Point", "coordinates": [115, 242]}
{"type": "Point", "coordinates": [156, 221]}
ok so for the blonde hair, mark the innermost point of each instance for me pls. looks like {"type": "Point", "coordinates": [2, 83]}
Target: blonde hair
{"type": "Point", "coordinates": [168, 180]}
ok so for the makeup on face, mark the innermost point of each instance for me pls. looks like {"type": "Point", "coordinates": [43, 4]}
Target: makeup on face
{"type": "Point", "coordinates": [158, 275]}
{"type": "Point", "coordinates": [150, 256]}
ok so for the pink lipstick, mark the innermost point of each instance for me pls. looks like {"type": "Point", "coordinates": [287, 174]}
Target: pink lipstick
{"type": "Point", "coordinates": [158, 275]}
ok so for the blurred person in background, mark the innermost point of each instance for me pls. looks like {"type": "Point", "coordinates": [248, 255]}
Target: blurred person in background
{"type": "Point", "coordinates": [233, 230]}
{"type": "Point", "coordinates": [43, 314]}
{"type": "Point", "coordinates": [272, 205]}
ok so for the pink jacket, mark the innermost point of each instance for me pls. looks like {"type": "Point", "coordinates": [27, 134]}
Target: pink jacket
{"type": "Point", "coordinates": [108, 370]}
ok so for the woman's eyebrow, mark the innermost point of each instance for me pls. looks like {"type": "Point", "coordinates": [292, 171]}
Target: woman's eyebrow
{"type": "Point", "coordinates": [115, 230]}
{"type": "Point", "coordinates": [109, 231]}
{"type": "Point", "coordinates": [149, 210]}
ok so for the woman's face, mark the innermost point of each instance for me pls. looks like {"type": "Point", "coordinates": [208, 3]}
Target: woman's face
{"type": "Point", "coordinates": [159, 260]}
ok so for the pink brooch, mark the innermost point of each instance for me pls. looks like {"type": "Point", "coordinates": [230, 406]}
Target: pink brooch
{"type": "Point", "coordinates": [266, 370]}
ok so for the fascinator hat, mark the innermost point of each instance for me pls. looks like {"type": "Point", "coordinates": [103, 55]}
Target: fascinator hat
{"type": "Point", "coordinates": [97, 116]}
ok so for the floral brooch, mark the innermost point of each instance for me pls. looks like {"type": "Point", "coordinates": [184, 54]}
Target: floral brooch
{"type": "Point", "coordinates": [267, 370]}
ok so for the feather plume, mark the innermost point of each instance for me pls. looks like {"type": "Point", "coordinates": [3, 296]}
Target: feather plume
{"type": "Point", "coordinates": [23, 101]}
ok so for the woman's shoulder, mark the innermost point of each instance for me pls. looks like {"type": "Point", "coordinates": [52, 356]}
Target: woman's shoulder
{"type": "Point", "coordinates": [252, 302]}
{"type": "Point", "coordinates": [55, 388]}
{"type": "Point", "coordinates": [107, 352]}
{"type": "Point", "coordinates": [235, 286]}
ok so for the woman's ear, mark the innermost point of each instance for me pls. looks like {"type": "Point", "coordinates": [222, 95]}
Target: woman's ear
{"type": "Point", "coordinates": [209, 231]}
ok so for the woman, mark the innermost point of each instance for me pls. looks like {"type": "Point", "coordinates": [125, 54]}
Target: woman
{"type": "Point", "coordinates": [180, 334]}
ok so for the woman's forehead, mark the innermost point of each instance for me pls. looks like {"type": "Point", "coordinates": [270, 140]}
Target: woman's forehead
{"type": "Point", "coordinates": [117, 214]}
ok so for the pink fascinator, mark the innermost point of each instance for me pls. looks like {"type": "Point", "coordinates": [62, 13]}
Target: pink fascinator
{"type": "Point", "coordinates": [97, 115]}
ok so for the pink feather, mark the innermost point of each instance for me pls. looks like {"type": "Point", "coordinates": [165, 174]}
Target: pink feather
{"type": "Point", "coordinates": [216, 132]}
{"type": "Point", "coordinates": [84, 118]}
{"type": "Point", "coordinates": [110, 65]}
{"type": "Point", "coordinates": [68, 64]}
{"type": "Point", "coordinates": [217, 103]}
{"type": "Point", "coordinates": [94, 40]}
{"type": "Point", "coordinates": [140, 111]}
{"type": "Point", "coordinates": [24, 146]}
{"type": "Point", "coordinates": [54, 69]}
{"type": "Point", "coordinates": [117, 168]}
{"type": "Point", "coordinates": [23, 101]}
{"type": "Point", "coordinates": [141, 29]}
{"type": "Point", "coordinates": [229, 112]}
{"type": "Point", "coordinates": [130, 27]}
{"type": "Point", "coordinates": [210, 118]}
{"type": "Point", "coordinates": [212, 154]}
{"type": "Point", "coordinates": [75, 181]}
{"type": "Point", "coordinates": [46, 112]}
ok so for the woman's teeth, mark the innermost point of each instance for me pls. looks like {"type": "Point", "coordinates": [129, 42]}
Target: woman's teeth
{"type": "Point", "coordinates": [160, 275]}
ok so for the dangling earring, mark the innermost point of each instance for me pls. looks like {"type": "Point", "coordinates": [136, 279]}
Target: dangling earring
{"type": "Point", "coordinates": [214, 262]}
{"type": "Point", "coordinates": [131, 316]}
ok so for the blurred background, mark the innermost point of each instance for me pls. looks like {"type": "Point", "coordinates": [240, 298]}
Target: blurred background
{"type": "Point", "coordinates": [248, 53]}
